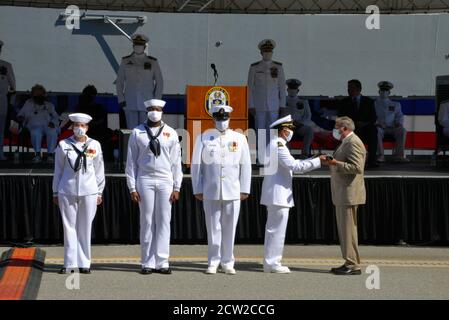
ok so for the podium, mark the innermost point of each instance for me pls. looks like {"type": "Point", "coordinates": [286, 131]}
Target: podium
{"type": "Point", "coordinates": [201, 98]}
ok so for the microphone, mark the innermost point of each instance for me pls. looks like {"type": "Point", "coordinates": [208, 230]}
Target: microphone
{"type": "Point", "coordinates": [212, 65]}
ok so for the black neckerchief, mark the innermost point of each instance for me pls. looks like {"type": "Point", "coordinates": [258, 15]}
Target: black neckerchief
{"type": "Point", "coordinates": [154, 144]}
{"type": "Point", "coordinates": [81, 155]}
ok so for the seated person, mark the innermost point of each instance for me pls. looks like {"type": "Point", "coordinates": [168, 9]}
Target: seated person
{"type": "Point", "coordinates": [390, 121]}
{"type": "Point", "coordinates": [299, 109]}
{"type": "Point", "coordinates": [40, 118]}
{"type": "Point", "coordinates": [443, 117]}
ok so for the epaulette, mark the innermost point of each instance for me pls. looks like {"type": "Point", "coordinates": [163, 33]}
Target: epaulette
{"type": "Point", "coordinates": [280, 145]}
{"type": "Point", "coordinates": [153, 58]}
{"type": "Point", "coordinates": [276, 62]}
{"type": "Point", "coordinates": [128, 56]}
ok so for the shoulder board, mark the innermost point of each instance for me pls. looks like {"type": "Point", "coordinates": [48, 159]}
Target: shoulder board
{"type": "Point", "coordinates": [255, 64]}
{"type": "Point", "coordinates": [153, 58]}
{"type": "Point", "coordinates": [128, 56]}
{"type": "Point", "coordinates": [276, 62]}
{"type": "Point", "coordinates": [280, 145]}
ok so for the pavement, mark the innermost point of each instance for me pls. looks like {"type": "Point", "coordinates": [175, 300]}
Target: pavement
{"type": "Point", "coordinates": [394, 272]}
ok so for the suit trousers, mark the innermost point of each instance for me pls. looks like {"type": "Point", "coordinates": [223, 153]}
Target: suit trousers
{"type": "Point", "coordinates": [347, 234]}
{"type": "Point", "coordinates": [77, 214]}
{"type": "Point", "coordinates": [275, 228]}
{"type": "Point", "coordinates": [221, 222]}
{"type": "Point", "coordinates": [155, 216]}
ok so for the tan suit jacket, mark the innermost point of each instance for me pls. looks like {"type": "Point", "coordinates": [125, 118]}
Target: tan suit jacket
{"type": "Point", "coordinates": [347, 183]}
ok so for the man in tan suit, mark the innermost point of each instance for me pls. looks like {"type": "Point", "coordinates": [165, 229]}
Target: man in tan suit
{"type": "Point", "coordinates": [348, 191]}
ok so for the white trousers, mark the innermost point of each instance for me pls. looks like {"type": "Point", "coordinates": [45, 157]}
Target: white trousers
{"type": "Point", "coordinates": [221, 222]}
{"type": "Point", "coordinates": [275, 236]}
{"type": "Point", "coordinates": [155, 216]}
{"type": "Point", "coordinates": [135, 117]}
{"type": "Point", "coordinates": [77, 216]}
{"type": "Point", "coordinates": [263, 121]}
{"type": "Point", "coordinates": [399, 134]}
{"type": "Point", "coordinates": [36, 137]}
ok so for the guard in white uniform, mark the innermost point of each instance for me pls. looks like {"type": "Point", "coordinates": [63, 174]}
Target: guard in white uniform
{"type": "Point", "coordinates": [40, 118]}
{"type": "Point", "coordinates": [139, 79]}
{"type": "Point", "coordinates": [266, 83]}
{"type": "Point", "coordinates": [221, 178]}
{"type": "Point", "coordinates": [390, 121]}
{"type": "Point", "coordinates": [277, 193]}
{"type": "Point", "coordinates": [299, 109]}
{"type": "Point", "coordinates": [7, 84]}
{"type": "Point", "coordinates": [443, 117]}
{"type": "Point", "coordinates": [154, 176]}
{"type": "Point", "coordinates": [78, 184]}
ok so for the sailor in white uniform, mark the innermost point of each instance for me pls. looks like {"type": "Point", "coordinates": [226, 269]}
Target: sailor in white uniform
{"type": "Point", "coordinates": [139, 79]}
{"type": "Point", "coordinates": [78, 184]}
{"type": "Point", "coordinates": [266, 83]}
{"type": "Point", "coordinates": [277, 193]}
{"type": "Point", "coordinates": [221, 178]}
{"type": "Point", "coordinates": [7, 84]}
{"type": "Point", "coordinates": [443, 117]}
{"type": "Point", "coordinates": [390, 121]}
{"type": "Point", "coordinates": [154, 175]}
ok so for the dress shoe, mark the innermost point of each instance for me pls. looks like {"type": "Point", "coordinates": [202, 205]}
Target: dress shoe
{"type": "Point", "coordinates": [146, 271]}
{"type": "Point", "coordinates": [163, 271]}
{"type": "Point", "coordinates": [85, 270]}
{"type": "Point", "coordinates": [381, 159]}
{"type": "Point", "coordinates": [340, 267]}
{"type": "Point", "coordinates": [228, 270]}
{"type": "Point", "coordinates": [211, 270]}
{"type": "Point", "coordinates": [278, 269]}
{"type": "Point", "coordinates": [65, 271]}
{"type": "Point", "coordinates": [346, 271]}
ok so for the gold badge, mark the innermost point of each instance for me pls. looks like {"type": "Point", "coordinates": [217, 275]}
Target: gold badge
{"type": "Point", "coordinates": [91, 153]}
{"type": "Point", "coordinates": [274, 72]}
{"type": "Point", "coordinates": [233, 146]}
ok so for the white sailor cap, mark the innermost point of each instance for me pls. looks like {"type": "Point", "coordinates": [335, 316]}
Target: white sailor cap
{"type": "Point", "coordinates": [1, 43]}
{"type": "Point", "coordinates": [154, 103]}
{"type": "Point", "coordinates": [293, 83]}
{"type": "Point", "coordinates": [221, 109]}
{"type": "Point", "coordinates": [80, 117]}
{"type": "Point", "coordinates": [286, 121]}
{"type": "Point", "coordinates": [267, 45]}
{"type": "Point", "coordinates": [139, 39]}
{"type": "Point", "coordinates": [385, 85]}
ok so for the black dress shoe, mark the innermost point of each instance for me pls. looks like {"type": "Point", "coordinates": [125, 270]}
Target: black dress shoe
{"type": "Point", "coordinates": [333, 269]}
{"type": "Point", "coordinates": [163, 271]}
{"type": "Point", "coordinates": [63, 271]}
{"type": "Point", "coordinates": [345, 271]}
{"type": "Point", "coordinates": [85, 270]}
{"type": "Point", "coordinates": [146, 271]}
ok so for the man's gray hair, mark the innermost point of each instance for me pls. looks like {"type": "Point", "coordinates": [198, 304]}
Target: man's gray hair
{"type": "Point", "coordinates": [345, 122]}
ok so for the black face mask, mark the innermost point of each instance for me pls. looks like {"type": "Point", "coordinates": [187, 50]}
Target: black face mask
{"type": "Point", "coordinates": [39, 99]}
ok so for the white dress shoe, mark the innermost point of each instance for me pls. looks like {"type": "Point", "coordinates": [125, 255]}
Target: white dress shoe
{"type": "Point", "coordinates": [211, 270]}
{"type": "Point", "coordinates": [280, 269]}
{"type": "Point", "coordinates": [228, 270]}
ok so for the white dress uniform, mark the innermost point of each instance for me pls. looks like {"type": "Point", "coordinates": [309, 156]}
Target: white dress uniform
{"type": "Point", "coordinates": [154, 179]}
{"type": "Point", "coordinates": [139, 79]}
{"type": "Point", "coordinates": [77, 189]}
{"type": "Point", "coordinates": [266, 83]}
{"type": "Point", "coordinates": [277, 196]}
{"type": "Point", "coordinates": [37, 118]}
{"type": "Point", "coordinates": [388, 113]}
{"type": "Point", "coordinates": [221, 171]}
{"type": "Point", "coordinates": [443, 117]}
{"type": "Point", "coordinates": [7, 83]}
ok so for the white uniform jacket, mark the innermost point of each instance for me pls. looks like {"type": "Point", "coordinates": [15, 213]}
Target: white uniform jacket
{"type": "Point", "coordinates": [221, 165]}
{"type": "Point", "coordinates": [299, 109]}
{"type": "Point", "coordinates": [266, 83]}
{"type": "Point", "coordinates": [388, 112]}
{"type": "Point", "coordinates": [7, 82]}
{"type": "Point", "coordinates": [82, 182]}
{"type": "Point", "coordinates": [277, 187]}
{"type": "Point", "coordinates": [443, 114]}
{"type": "Point", "coordinates": [138, 80]}
{"type": "Point", "coordinates": [38, 115]}
{"type": "Point", "coordinates": [141, 163]}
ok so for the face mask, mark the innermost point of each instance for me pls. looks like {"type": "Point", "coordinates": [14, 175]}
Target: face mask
{"type": "Point", "coordinates": [79, 132]}
{"type": "Point", "coordinates": [139, 49]}
{"type": "Point", "coordinates": [39, 99]}
{"type": "Point", "coordinates": [292, 92]}
{"type": "Point", "coordinates": [384, 94]}
{"type": "Point", "coordinates": [222, 125]}
{"type": "Point", "coordinates": [289, 136]}
{"type": "Point", "coordinates": [154, 116]}
{"type": "Point", "coordinates": [336, 134]}
{"type": "Point", "coordinates": [266, 56]}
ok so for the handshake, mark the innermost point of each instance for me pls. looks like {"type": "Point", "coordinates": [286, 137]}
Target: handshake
{"type": "Point", "coordinates": [327, 160]}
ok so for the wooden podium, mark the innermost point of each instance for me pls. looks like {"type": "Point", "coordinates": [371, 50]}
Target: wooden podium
{"type": "Point", "coordinates": [201, 98]}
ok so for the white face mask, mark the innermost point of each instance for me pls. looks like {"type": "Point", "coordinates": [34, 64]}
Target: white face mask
{"type": "Point", "coordinates": [290, 135]}
{"type": "Point", "coordinates": [222, 125]}
{"type": "Point", "coordinates": [79, 132]}
{"type": "Point", "coordinates": [266, 56]}
{"type": "Point", "coordinates": [384, 94]}
{"type": "Point", "coordinates": [336, 134]}
{"type": "Point", "coordinates": [154, 116]}
{"type": "Point", "coordinates": [139, 49]}
{"type": "Point", "coordinates": [292, 92]}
